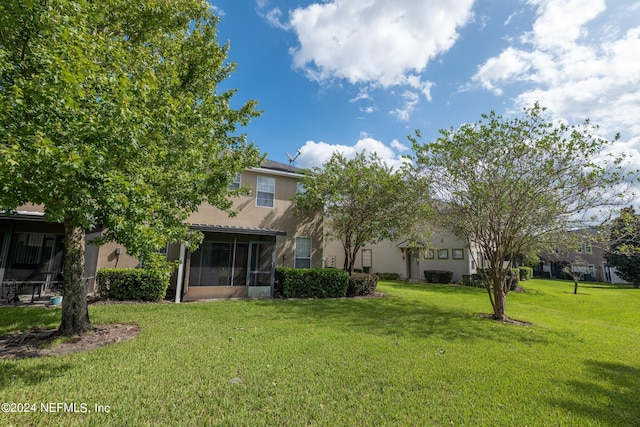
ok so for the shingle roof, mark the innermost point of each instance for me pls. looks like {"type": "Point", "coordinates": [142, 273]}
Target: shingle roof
{"type": "Point", "coordinates": [214, 228]}
{"type": "Point", "coordinates": [273, 165]}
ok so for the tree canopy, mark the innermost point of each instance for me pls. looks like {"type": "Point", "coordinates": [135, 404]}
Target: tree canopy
{"type": "Point", "coordinates": [512, 186]}
{"type": "Point", "coordinates": [110, 115]}
{"type": "Point", "coordinates": [363, 201]}
{"type": "Point", "coordinates": [624, 246]}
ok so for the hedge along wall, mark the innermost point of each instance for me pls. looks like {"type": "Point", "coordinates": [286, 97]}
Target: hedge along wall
{"type": "Point", "coordinates": [438, 276]}
{"type": "Point", "coordinates": [311, 282]}
{"type": "Point", "coordinates": [132, 284]}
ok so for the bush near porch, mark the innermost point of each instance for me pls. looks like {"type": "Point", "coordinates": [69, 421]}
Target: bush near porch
{"type": "Point", "coordinates": [132, 284]}
{"type": "Point", "coordinates": [311, 282]}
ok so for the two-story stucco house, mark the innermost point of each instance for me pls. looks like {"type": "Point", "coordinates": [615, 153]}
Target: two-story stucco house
{"type": "Point", "coordinates": [236, 259]}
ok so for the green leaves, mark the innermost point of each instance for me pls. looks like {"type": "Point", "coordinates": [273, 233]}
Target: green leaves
{"type": "Point", "coordinates": [363, 200]}
{"type": "Point", "coordinates": [109, 113]}
{"type": "Point", "coordinates": [513, 186]}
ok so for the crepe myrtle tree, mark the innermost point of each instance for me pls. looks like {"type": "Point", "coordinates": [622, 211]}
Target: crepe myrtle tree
{"type": "Point", "coordinates": [110, 114]}
{"type": "Point", "coordinates": [363, 201]}
{"type": "Point", "coordinates": [514, 185]}
{"type": "Point", "coordinates": [576, 269]}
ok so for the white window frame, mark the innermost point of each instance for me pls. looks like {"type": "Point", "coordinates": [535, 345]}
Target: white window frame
{"type": "Point", "coordinates": [298, 255]}
{"type": "Point", "coordinates": [236, 183]}
{"type": "Point", "coordinates": [265, 185]}
{"type": "Point", "coordinates": [367, 258]}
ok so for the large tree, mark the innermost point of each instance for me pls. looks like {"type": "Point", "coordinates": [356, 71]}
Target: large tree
{"type": "Point", "coordinates": [110, 115]}
{"type": "Point", "coordinates": [510, 186]}
{"type": "Point", "coordinates": [363, 201]}
{"type": "Point", "coordinates": [624, 246]}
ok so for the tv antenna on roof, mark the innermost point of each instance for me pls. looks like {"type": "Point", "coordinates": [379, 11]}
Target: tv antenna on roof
{"type": "Point", "coordinates": [292, 158]}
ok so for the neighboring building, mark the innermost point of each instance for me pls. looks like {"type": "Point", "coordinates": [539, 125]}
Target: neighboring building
{"type": "Point", "coordinates": [236, 259]}
{"type": "Point", "coordinates": [409, 258]}
{"type": "Point", "coordinates": [589, 248]}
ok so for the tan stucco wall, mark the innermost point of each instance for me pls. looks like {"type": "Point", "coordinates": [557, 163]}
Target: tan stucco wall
{"type": "Point", "coordinates": [387, 257]}
{"type": "Point", "coordinates": [280, 217]}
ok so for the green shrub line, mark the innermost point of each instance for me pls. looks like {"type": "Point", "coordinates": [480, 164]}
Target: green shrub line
{"type": "Point", "coordinates": [322, 283]}
{"type": "Point", "coordinates": [132, 284]}
{"type": "Point", "coordinates": [438, 276]}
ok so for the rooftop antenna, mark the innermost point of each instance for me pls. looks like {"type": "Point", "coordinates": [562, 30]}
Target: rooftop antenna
{"type": "Point", "coordinates": [292, 158]}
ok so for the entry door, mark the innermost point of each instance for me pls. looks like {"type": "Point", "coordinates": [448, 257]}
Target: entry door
{"type": "Point", "coordinates": [260, 274]}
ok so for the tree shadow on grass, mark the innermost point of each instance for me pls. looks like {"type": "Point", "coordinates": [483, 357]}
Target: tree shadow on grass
{"type": "Point", "coordinates": [19, 319]}
{"type": "Point", "coordinates": [14, 372]}
{"type": "Point", "coordinates": [403, 317]}
{"type": "Point", "coordinates": [616, 389]}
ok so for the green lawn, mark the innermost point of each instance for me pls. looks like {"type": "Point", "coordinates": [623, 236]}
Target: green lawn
{"type": "Point", "coordinates": [420, 356]}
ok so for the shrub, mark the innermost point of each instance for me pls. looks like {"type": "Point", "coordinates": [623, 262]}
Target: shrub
{"type": "Point", "coordinates": [311, 282]}
{"type": "Point", "coordinates": [132, 284]}
{"type": "Point", "coordinates": [362, 284]}
{"type": "Point", "coordinates": [438, 276]}
{"type": "Point", "coordinates": [472, 280]}
{"type": "Point", "coordinates": [388, 276]}
{"type": "Point", "coordinates": [526, 273]}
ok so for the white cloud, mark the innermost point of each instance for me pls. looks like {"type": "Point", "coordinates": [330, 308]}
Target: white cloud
{"type": "Point", "coordinates": [317, 153]}
{"type": "Point", "coordinates": [379, 43]}
{"type": "Point", "coordinates": [576, 76]}
{"type": "Point", "coordinates": [580, 60]}
{"type": "Point", "coordinates": [410, 101]}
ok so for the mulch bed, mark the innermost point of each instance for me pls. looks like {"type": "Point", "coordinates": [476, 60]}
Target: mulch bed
{"type": "Point", "coordinates": [40, 342]}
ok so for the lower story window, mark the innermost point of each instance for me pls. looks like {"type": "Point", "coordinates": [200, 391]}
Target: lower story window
{"type": "Point", "coordinates": [303, 252]}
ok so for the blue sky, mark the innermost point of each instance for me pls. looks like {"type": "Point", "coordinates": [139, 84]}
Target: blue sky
{"type": "Point", "coordinates": [350, 75]}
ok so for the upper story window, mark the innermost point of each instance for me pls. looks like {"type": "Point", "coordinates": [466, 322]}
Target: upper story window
{"type": "Point", "coordinates": [588, 249]}
{"type": "Point", "coordinates": [266, 190]}
{"type": "Point", "coordinates": [236, 182]}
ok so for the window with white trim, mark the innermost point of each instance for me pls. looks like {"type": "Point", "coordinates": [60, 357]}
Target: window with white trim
{"type": "Point", "coordinates": [266, 190]}
{"type": "Point", "coordinates": [236, 182]}
{"type": "Point", "coordinates": [303, 253]}
{"type": "Point", "coordinates": [367, 258]}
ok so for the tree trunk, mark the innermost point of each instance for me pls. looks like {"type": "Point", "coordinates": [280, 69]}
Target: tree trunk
{"type": "Point", "coordinates": [499, 297]}
{"type": "Point", "coordinates": [575, 287]}
{"type": "Point", "coordinates": [75, 315]}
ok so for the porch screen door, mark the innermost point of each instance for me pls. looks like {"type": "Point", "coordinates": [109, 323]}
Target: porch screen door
{"type": "Point", "coordinates": [260, 274]}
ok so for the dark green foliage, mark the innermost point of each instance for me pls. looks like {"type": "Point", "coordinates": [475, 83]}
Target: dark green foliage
{"type": "Point", "coordinates": [388, 276]}
{"type": "Point", "coordinates": [362, 284]}
{"type": "Point", "coordinates": [132, 284]}
{"type": "Point", "coordinates": [624, 246]}
{"type": "Point", "coordinates": [311, 282]}
{"type": "Point", "coordinates": [472, 280]}
{"type": "Point", "coordinates": [438, 276]}
{"type": "Point", "coordinates": [525, 273]}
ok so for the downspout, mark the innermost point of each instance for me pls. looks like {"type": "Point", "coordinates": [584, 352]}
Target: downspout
{"type": "Point", "coordinates": [180, 277]}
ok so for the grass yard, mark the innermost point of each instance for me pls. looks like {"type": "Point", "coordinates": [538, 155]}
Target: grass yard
{"type": "Point", "coordinates": [420, 356]}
